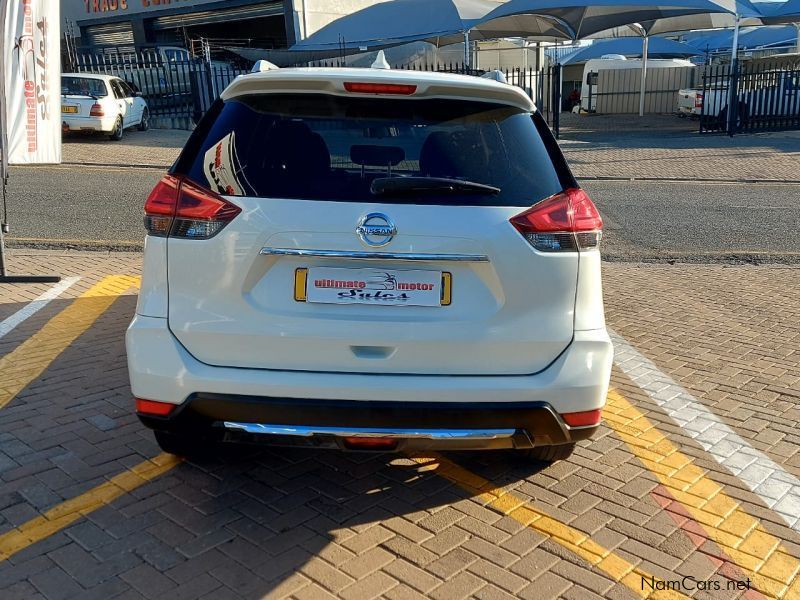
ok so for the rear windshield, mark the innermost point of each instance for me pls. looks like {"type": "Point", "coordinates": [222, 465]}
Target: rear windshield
{"type": "Point", "coordinates": [83, 86]}
{"type": "Point", "coordinates": [323, 147]}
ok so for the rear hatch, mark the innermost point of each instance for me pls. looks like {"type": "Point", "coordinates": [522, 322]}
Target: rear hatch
{"type": "Point", "coordinates": [79, 94]}
{"type": "Point", "coordinates": [369, 235]}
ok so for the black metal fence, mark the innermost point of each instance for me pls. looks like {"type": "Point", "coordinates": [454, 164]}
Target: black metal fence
{"type": "Point", "coordinates": [179, 92]}
{"type": "Point", "coordinates": [751, 97]}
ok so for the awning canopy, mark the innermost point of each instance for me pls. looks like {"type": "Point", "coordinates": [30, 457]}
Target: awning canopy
{"type": "Point", "coordinates": [631, 47]}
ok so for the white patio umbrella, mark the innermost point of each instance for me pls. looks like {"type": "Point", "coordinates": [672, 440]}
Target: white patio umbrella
{"type": "Point", "coordinates": [600, 15]}
{"type": "Point", "coordinates": [776, 13]}
{"type": "Point", "coordinates": [444, 21]}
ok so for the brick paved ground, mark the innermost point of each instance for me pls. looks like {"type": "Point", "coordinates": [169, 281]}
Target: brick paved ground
{"type": "Point", "coordinates": [596, 146]}
{"type": "Point", "coordinates": [664, 147]}
{"type": "Point", "coordinates": [305, 524]}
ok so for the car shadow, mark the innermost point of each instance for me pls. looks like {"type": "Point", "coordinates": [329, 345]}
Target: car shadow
{"type": "Point", "coordinates": [279, 508]}
{"type": "Point", "coordinates": [249, 518]}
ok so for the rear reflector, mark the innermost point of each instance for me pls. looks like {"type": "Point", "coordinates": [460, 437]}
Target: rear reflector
{"type": "Point", "coordinates": [565, 222]}
{"type": "Point", "coordinates": [582, 419]}
{"type": "Point", "coordinates": [179, 208]}
{"type": "Point", "coordinates": [151, 407]}
{"type": "Point", "coordinates": [370, 443]}
{"type": "Point", "coordinates": [380, 88]}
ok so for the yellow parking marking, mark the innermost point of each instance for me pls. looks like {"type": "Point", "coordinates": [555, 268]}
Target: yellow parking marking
{"type": "Point", "coordinates": [29, 360]}
{"type": "Point", "coordinates": [573, 540]}
{"type": "Point", "coordinates": [66, 513]}
{"type": "Point", "coordinates": [772, 568]}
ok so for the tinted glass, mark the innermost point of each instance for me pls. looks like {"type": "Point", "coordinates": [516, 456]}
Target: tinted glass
{"type": "Point", "coordinates": [118, 93]}
{"type": "Point", "coordinates": [323, 147]}
{"type": "Point", "coordinates": [126, 89]}
{"type": "Point", "coordinates": [83, 86]}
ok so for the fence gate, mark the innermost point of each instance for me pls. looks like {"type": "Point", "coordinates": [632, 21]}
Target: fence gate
{"type": "Point", "coordinates": [766, 97]}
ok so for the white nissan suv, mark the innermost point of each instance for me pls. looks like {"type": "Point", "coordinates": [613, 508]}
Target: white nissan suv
{"type": "Point", "coordinates": [371, 260]}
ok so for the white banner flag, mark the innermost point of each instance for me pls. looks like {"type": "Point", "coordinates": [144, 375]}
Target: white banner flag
{"type": "Point", "coordinates": [31, 71]}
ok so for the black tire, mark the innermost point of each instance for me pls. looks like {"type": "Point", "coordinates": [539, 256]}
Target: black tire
{"type": "Point", "coordinates": [548, 453]}
{"type": "Point", "coordinates": [144, 124]}
{"type": "Point", "coordinates": [116, 133]}
{"type": "Point", "coordinates": [180, 445]}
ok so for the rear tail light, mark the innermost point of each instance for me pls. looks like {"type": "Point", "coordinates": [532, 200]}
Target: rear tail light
{"type": "Point", "coordinates": [399, 89]}
{"type": "Point", "coordinates": [96, 111]}
{"type": "Point", "coordinates": [153, 408]}
{"type": "Point", "coordinates": [698, 101]}
{"type": "Point", "coordinates": [179, 208]}
{"type": "Point", "coordinates": [586, 418]}
{"type": "Point", "coordinates": [565, 222]}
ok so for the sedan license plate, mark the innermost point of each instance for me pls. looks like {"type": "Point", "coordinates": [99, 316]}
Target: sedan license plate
{"type": "Point", "coordinates": [377, 287]}
{"type": "Point", "coordinates": [69, 109]}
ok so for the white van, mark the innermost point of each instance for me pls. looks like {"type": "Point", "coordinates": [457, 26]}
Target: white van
{"type": "Point", "coordinates": [617, 61]}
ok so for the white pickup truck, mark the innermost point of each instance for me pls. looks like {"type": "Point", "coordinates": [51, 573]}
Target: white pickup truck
{"type": "Point", "coordinates": [767, 93]}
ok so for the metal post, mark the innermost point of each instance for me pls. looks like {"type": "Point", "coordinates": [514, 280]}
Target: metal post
{"type": "Point", "coordinates": [4, 276]}
{"type": "Point", "coordinates": [645, 46]}
{"type": "Point", "coordinates": [556, 83]}
{"type": "Point", "coordinates": [733, 107]}
{"type": "Point", "coordinates": [466, 50]}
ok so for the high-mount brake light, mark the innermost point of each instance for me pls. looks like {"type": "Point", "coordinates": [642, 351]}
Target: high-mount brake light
{"type": "Point", "coordinates": [179, 208]}
{"type": "Point", "coordinates": [565, 222]}
{"type": "Point", "coordinates": [400, 89]}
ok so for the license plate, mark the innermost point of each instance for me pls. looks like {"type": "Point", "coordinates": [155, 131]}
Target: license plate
{"type": "Point", "coordinates": [69, 109]}
{"type": "Point", "coordinates": [377, 287]}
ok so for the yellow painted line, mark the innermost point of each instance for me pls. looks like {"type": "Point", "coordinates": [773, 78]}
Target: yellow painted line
{"type": "Point", "coordinates": [66, 513]}
{"type": "Point", "coordinates": [773, 570]}
{"type": "Point", "coordinates": [573, 540]}
{"type": "Point", "coordinates": [30, 359]}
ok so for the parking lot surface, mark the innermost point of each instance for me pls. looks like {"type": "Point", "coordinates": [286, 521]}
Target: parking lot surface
{"type": "Point", "coordinates": [597, 146]}
{"type": "Point", "coordinates": [690, 489]}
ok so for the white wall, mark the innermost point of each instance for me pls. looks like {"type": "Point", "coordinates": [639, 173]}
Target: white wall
{"type": "Point", "coordinates": [319, 13]}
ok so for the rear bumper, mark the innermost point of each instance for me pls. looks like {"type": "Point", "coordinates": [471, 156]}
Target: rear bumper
{"type": "Point", "coordinates": [71, 123]}
{"type": "Point", "coordinates": [330, 423]}
{"type": "Point", "coordinates": [162, 370]}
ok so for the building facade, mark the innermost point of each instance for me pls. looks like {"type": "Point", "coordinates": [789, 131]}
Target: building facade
{"type": "Point", "coordinates": [128, 23]}
{"type": "Point", "coordinates": [259, 23]}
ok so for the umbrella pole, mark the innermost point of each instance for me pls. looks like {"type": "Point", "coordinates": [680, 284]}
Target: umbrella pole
{"type": "Point", "coordinates": [733, 79]}
{"type": "Point", "coordinates": [642, 89]}
{"type": "Point", "coordinates": [797, 26]}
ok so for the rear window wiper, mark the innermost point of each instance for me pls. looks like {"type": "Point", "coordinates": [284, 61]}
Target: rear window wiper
{"type": "Point", "coordinates": [408, 186]}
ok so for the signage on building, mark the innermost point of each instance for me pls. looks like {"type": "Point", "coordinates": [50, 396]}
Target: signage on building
{"type": "Point", "coordinates": [83, 9]}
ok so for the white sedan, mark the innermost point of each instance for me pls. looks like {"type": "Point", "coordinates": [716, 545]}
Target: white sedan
{"type": "Point", "coordinates": [104, 103]}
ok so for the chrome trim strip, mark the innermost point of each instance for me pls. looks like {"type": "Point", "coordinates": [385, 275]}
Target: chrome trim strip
{"type": "Point", "coordinates": [431, 434]}
{"type": "Point", "coordinates": [413, 256]}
